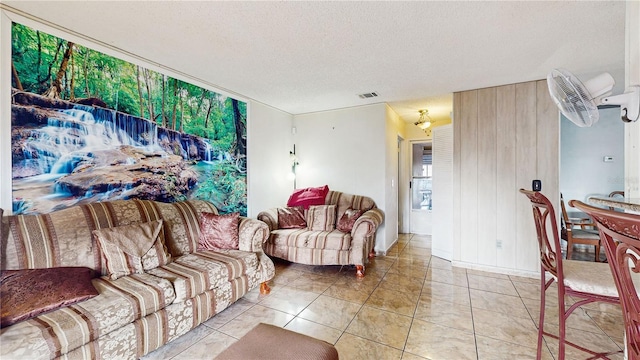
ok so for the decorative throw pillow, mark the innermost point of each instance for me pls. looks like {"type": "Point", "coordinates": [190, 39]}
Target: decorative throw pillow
{"type": "Point", "coordinates": [321, 218]}
{"type": "Point", "coordinates": [345, 224]}
{"type": "Point", "coordinates": [308, 197]}
{"type": "Point", "coordinates": [28, 293]}
{"type": "Point", "coordinates": [219, 231]}
{"type": "Point", "coordinates": [132, 249]}
{"type": "Point", "coordinates": [291, 218]}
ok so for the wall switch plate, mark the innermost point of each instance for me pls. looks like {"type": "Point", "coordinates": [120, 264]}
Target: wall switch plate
{"type": "Point", "coordinates": [608, 159]}
{"type": "Point", "coordinates": [499, 244]}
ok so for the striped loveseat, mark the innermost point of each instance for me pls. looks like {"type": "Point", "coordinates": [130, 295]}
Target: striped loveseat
{"type": "Point", "coordinates": [136, 313]}
{"type": "Point", "coordinates": [327, 247]}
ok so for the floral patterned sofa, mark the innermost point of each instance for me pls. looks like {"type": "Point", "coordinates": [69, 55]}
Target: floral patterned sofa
{"type": "Point", "coordinates": [138, 312]}
{"type": "Point", "coordinates": [319, 239]}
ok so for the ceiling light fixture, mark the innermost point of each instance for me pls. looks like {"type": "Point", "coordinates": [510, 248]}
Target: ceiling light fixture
{"type": "Point", "coordinates": [425, 121]}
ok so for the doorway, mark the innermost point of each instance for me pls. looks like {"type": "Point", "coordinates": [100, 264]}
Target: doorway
{"type": "Point", "coordinates": [420, 218]}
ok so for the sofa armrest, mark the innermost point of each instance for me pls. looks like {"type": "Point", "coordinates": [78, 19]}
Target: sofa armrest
{"type": "Point", "coordinates": [252, 234]}
{"type": "Point", "coordinates": [367, 223]}
{"type": "Point", "coordinates": [270, 217]}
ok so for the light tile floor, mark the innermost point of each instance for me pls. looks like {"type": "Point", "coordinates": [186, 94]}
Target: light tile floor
{"type": "Point", "coordinates": [410, 305]}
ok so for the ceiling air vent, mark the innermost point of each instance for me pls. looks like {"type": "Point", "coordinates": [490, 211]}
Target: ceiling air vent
{"type": "Point", "coordinates": [368, 95]}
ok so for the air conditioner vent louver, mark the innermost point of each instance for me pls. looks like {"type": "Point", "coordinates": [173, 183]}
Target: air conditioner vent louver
{"type": "Point", "coordinates": [368, 95]}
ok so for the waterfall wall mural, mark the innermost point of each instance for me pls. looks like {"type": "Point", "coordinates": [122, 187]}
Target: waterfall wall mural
{"type": "Point", "coordinates": [86, 126]}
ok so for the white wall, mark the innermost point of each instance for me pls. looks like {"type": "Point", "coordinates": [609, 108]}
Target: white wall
{"type": "Point", "coordinates": [394, 127]}
{"type": "Point", "coordinates": [632, 77]}
{"type": "Point", "coordinates": [345, 149]}
{"type": "Point", "coordinates": [269, 142]}
{"type": "Point", "coordinates": [583, 172]}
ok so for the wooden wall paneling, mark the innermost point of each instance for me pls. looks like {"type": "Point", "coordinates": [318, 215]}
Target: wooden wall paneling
{"type": "Point", "coordinates": [526, 163]}
{"type": "Point", "coordinates": [507, 191]}
{"type": "Point", "coordinates": [457, 222]}
{"type": "Point", "coordinates": [548, 144]}
{"type": "Point", "coordinates": [469, 177]}
{"type": "Point", "coordinates": [487, 207]}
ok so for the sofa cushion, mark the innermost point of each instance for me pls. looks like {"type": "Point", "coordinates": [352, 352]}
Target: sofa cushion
{"type": "Point", "coordinates": [303, 238]}
{"type": "Point", "coordinates": [218, 231]}
{"type": "Point", "coordinates": [30, 292]}
{"type": "Point", "coordinates": [346, 221]}
{"type": "Point", "coordinates": [132, 249]}
{"type": "Point", "coordinates": [195, 273]}
{"type": "Point", "coordinates": [346, 201]}
{"type": "Point", "coordinates": [120, 302]}
{"type": "Point", "coordinates": [308, 196]}
{"type": "Point", "coordinates": [321, 218]}
{"type": "Point", "coordinates": [291, 218]}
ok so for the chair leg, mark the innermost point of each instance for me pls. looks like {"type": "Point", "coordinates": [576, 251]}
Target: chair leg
{"type": "Point", "coordinates": [543, 291]}
{"type": "Point", "coordinates": [598, 253]}
{"type": "Point", "coordinates": [264, 288]}
{"type": "Point", "coordinates": [562, 326]}
{"type": "Point", "coordinates": [569, 248]}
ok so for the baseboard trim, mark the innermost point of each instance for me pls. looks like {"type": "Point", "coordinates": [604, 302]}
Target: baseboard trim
{"type": "Point", "coordinates": [497, 270]}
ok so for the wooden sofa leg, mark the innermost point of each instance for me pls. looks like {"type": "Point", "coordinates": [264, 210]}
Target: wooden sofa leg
{"type": "Point", "coordinates": [360, 271]}
{"type": "Point", "coordinates": [264, 288]}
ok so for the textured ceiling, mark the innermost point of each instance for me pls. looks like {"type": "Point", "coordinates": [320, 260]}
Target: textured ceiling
{"type": "Point", "coordinates": [304, 57]}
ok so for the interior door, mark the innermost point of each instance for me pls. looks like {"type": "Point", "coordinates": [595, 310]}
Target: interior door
{"type": "Point", "coordinates": [421, 191]}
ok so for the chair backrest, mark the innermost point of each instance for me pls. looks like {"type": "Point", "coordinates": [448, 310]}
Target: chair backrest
{"type": "Point", "coordinates": [616, 194]}
{"type": "Point", "coordinates": [620, 233]}
{"type": "Point", "coordinates": [544, 217]}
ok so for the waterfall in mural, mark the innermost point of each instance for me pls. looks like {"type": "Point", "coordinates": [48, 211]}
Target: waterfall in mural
{"type": "Point", "coordinates": [87, 153]}
{"type": "Point", "coordinates": [74, 134]}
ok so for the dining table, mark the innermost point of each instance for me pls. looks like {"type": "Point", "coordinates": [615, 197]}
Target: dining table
{"type": "Point", "coordinates": [631, 204]}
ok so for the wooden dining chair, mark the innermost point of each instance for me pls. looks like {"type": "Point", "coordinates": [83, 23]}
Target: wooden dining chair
{"type": "Point", "coordinates": [579, 231]}
{"type": "Point", "coordinates": [584, 281]}
{"type": "Point", "coordinates": [620, 234]}
{"type": "Point", "coordinates": [616, 194]}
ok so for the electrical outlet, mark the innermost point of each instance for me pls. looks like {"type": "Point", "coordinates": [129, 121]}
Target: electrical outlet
{"type": "Point", "coordinates": [499, 244]}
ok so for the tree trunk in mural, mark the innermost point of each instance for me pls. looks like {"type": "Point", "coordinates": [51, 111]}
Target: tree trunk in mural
{"type": "Point", "coordinates": [56, 87]}
{"type": "Point", "coordinates": [72, 96]}
{"type": "Point", "coordinates": [16, 79]}
{"type": "Point", "coordinates": [164, 118]}
{"type": "Point", "coordinates": [175, 104]}
{"type": "Point", "coordinates": [55, 59]}
{"type": "Point", "coordinates": [139, 91]}
{"type": "Point", "coordinates": [147, 82]}
{"type": "Point", "coordinates": [181, 114]}
{"type": "Point", "coordinates": [241, 147]}
{"type": "Point", "coordinates": [85, 71]}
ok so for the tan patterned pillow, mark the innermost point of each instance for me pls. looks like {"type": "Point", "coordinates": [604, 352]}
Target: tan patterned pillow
{"type": "Point", "coordinates": [321, 218]}
{"type": "Point", "coordinates": [132, 249]}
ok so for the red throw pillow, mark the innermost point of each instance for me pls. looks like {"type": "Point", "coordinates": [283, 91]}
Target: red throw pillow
{"type": "Point", "coordinates": [31, 292]}
{"type": "Point", "coordinates": [291, 218]}
{"type": "Point", "coordinates": [309, 196]}
{"type": "Point", "coordinates": [345, 224]}
{"type": "Point", "coordinates": [219, 231]}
